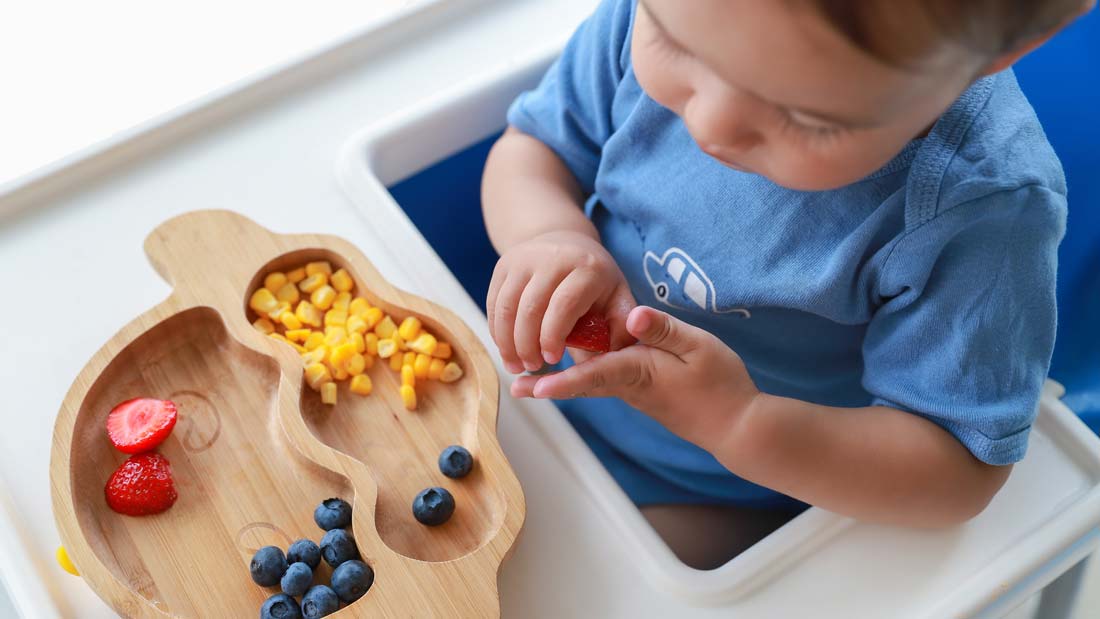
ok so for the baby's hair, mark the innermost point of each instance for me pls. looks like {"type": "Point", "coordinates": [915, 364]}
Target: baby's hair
{"type": "Point", "coordinates": [904, 32]}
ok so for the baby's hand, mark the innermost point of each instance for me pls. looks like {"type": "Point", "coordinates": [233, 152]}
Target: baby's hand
{"type": "Point", "coordinates": [542, 286]}
{"type": "Point", "coordinates": [682, 376]}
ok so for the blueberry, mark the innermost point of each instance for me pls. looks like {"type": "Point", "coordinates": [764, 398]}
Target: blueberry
{"type": "Point", "coordinates": [268, 566]}
{"type": "Point", "coordinates": [332, 514]}
{"type": "Point", "coordinates": [304, 551]}
{"type": "Point", "coordinates": [297, 579]}
{"type": "Point", "coordinates": [338, 546]}
{"type": "Point", "coordinates": [455, 462]}
{"type": "Point", "coordinates": [352, 579]}
{"type": "Point", "coordinates": [319, 601]}
{"type": "Point", "coordinates": [433, 506]}
{"type": "Point", "coordinates": [280, 606]}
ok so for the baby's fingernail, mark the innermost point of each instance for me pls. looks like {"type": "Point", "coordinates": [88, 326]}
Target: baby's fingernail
{"type": "Point", "coordinates": [549, 358]}
{"type": "Point", "coordinates": [531, 367]}
{"type": "Point", "coordinates": [513, 367]}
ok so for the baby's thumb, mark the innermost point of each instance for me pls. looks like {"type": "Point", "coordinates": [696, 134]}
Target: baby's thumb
{"type": "Point", "coordinates": [655, 328]}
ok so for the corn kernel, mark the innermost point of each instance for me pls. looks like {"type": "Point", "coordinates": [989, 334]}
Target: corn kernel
{"type": "Point", "coordinates": [451, 373]}
{"type": "Point", "coordinates": [288, 293]}
{"type": "Point", "coordinates": [277, 313]}
{"type": "Point", "coordinates": [323, 297]}
{"type": "Point", "coordinates": [370, 340]}
{"type": "Point", "coordinates": [264, 326]}
{"type": "Point", "coordinates": [335, 318]}
{"type": "Point", "coordinates": [342, 281]}
{"type": "Point", "coordinates": [424, 343]}
{"type": "Point", "coordinates": [360, 344]}
{"type": "Point", "coordinates": [373, 316]}
{"type": "Point", "coordinates": [408, 396]}
{"type": "Point", "coordinates": [342, 302]}
{"type": "Point", "coordinates": [356, 365]}
{"type": "Point", "coordinates": [395, 362]}
{"type": "Point", "coordinates": [385, 327]}
{"type": "Point", "coordinates": [358, 306]}
{"type": "Point", "coordinates": [308, 314]}
{"type": "Point", "coordinates": [409, 358]}
{"type": "Point", "coordinates": [340, 374]}
{"type": "Point", "coordinates": [321, 266]}
{"type": "Point", "coordinates": [296, 275]}
{"type": "Point", "coordinates": [334, 336]}
{"type": "Point", "coordinates": [297, 335]}
{"type": "Point", "coordinates": [314, 340]}
{"type": "Point", "coordinates": [356, 324]}
{"type": "Point", "coordinates": [397, 339]}
{"type": "Point", "coordinates": [291, 321]}
{"type": "Point", "coordinates": [408, 376]}
{"type": "Point", "coordinates": [263, 301]}
{"type": "Point", "coordinates": [435, 368]}
{"type": "Point", "coordinates": [341, 354]}
{"type": "Point", "coordinates": [317, 355]}
{"type": "Point", "coordinates": [301, 349]}
{"type": "Point", "coordinates": [361, 384]}
{"type": "Point", "coordinates": [420, 366]}
{"type": "Point", "coordinates": [442, 350]}
{"type": "Point", "coordinates": [328, 393]}
{"type": "Point", "coordinates": [386, 348]}
{"type": "Point", "coordinates": [369, 361]}
{"type": "Point", "coordinates": [274, 281]}
{"type": "Point", "coordinates": [316, 375]}
{"type": "Point", "coordinates": [312, 283]}
{"type": "Point", "coordinates": [410, 328]}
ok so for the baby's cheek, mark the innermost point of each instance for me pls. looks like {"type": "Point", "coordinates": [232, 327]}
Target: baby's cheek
{"type": "Point", "coordinates": [808, 168]}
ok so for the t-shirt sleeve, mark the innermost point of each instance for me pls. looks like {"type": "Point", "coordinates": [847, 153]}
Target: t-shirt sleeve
{"type": "Point", "coordinates": [570, 110]}
{"type": "Point", "coordinates": [965, 329]}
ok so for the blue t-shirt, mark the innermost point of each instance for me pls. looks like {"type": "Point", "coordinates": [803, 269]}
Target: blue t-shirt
{"type": "Point", "coordinates": [927, 286]}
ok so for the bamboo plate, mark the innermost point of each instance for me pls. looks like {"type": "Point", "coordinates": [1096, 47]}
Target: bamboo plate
{"type": "Point", "coordinates": [254, 450]}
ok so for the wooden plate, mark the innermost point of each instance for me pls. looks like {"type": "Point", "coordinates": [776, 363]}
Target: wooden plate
{"type": "Point", "coordinates": [254, 450]}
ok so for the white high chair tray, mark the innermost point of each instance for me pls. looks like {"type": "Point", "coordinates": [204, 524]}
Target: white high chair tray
{"type": "Point", "coordinates": [309, 148]}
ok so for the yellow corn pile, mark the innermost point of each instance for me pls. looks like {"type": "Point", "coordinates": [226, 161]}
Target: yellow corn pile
{"type": "Point", "coordinates": [339, 335]}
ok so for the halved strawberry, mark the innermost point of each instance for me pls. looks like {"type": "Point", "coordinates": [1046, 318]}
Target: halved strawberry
{"type": "Point", "coordinates": [140, 424]}
{"type": "Point", "coordinates": [141, 486]}
{"type": "Point", "coordinates": [591, 333]}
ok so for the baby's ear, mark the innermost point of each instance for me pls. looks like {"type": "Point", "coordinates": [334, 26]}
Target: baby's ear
{"type": "Point", "coordinates": [1009, 58]}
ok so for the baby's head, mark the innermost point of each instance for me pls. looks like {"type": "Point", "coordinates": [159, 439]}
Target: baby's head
{"type": "Point", "coordinates": [817, 94]}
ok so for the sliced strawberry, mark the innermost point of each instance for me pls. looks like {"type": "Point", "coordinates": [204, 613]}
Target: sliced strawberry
{"type": "Point", "coordinates": [141, 424]}
{"type": "Point", "coordinates": [591, 333]}
{"type": "Point", "coordinates": [141, 486]}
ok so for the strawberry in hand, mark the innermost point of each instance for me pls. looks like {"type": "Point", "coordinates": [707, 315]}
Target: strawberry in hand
{"type": "Point", "coordinates": [592, 333]}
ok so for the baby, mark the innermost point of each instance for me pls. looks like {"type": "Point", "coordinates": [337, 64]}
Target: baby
{"type": "Point", "coordinates": [824, 233]}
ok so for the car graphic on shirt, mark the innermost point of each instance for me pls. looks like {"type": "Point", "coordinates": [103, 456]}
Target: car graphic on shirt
{"type": "Point", "coordinates": [679, 282]}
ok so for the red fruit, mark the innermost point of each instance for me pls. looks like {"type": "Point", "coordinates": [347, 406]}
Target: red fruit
{"type": "Point", "coordinates": [141, 486]}
{"type": "Point", "coordinates": [141, 424]}
{"type": "Point", "coordinates": [591, 333]}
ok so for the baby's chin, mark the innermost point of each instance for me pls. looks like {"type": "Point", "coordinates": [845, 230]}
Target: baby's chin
{"type": "Point", "coordinates": [798, 179]}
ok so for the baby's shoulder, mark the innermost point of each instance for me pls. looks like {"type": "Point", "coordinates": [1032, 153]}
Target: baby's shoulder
{"type": "Point", "coordinates": [993, 143]}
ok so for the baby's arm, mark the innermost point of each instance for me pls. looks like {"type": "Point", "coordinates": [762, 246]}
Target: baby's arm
{"type": "Point", "coordinates": [552, 268]}
{"type": "Point", "coordinates": [872, 463]}
{"type": "Point", "coordinates": [526, 190]}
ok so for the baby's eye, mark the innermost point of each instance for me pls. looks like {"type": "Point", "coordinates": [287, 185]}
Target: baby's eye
{"type": "Point", "coordinates": [810, 123]}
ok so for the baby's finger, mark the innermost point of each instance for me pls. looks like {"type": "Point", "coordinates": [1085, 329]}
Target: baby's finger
{"type": "Point", "coordinates": [572, 298]}
{"type": "Point", "coordinates": [504, 320]}
{"type": "Point", "coordinates": [522, 386]}
{"type": "Point", "coordinates": [500, 273]}
{"type": "Point", "coordinates": [532, 307]}
{"type": "Point", "coordinates": [610, 374]}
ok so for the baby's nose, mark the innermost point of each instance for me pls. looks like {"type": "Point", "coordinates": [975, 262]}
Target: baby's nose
{"type": "Point", "coordinates": [721, 122]}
